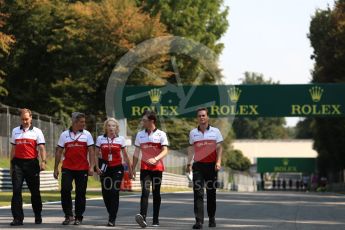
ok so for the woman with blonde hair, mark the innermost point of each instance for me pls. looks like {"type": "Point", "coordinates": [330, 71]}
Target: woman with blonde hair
{"type": "Point", "coordinates": [109, 165]}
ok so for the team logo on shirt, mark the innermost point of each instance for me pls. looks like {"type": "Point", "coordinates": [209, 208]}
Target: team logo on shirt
{"type": "Point", "coordinates": [204, 143]}
{"type": "Point", "coordinates": [75, 145]}
{"type": "Point", "coordinates": [23, 142]}
{"type": "Point", "coordinates": [146, 146]}
{"type": "Point", "coordinates": [200, 144]}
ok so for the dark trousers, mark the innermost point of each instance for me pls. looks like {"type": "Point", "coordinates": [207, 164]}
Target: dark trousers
{"type": "Point", "coordinates": [147, 178]}
{"type": "Point", "coordinates": [204, 174]}
{"type": "Point", "coordinates": [80, 178]}
{"type": "Point", "coordinates": [111, 185]}
{"type": "Point", "coordinates": [28, 170]}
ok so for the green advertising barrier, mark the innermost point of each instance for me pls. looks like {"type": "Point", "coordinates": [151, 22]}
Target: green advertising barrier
{"type": "Point", "coordinates": [310, 100]}
{"type": "Point", "coordinates": [286, 165]}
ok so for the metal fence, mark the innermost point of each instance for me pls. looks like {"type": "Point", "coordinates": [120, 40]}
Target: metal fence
{"type": "Point", "coordinates": [10, 118]}
{"type": "Point", "coordinates": [241, 181]}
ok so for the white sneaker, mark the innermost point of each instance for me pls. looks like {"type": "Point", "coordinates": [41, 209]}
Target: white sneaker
{"type": "Point", "coordinates": [140, 220]}
{"type": "Point", "coordinates": [155, 224]}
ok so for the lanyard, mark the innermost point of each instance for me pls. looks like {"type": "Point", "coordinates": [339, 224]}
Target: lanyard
{"type": "Point", "coordinates": [75, 140]}
{"type": "Point", "coordinates": [110, 143]}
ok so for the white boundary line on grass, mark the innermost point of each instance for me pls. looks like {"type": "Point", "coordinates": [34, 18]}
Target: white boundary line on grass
{"type": "Point", "coordinates": [95, 198]}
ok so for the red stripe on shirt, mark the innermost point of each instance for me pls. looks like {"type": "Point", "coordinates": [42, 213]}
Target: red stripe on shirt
{"type": "Point", "coordinates": [205, 151]}
{"type": "Point", "coordinates": [26, 148]}
{"type": "Point", "coordinates": [76, 156]}
{"type": "Point", "coordinates": [150, 150]}
{"type": "Point", "coordinates": [115, 151]}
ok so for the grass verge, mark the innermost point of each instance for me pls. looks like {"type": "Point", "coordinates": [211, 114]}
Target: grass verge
{"type": "Point", "coordinates": [49, 196]}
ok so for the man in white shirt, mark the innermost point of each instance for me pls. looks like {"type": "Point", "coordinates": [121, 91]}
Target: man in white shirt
{"type": "Point", "coordinates": [206, 148]}
{"type": "Point", "coordinates": [77, 146]}
{"type": "Point", "coordinates": [153, 145]}
{"type": "Point", "coordinates": [26, 139]}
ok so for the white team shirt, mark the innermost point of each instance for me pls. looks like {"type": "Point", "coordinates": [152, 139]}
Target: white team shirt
{"type": "Point", "coordinates": [205, 144]}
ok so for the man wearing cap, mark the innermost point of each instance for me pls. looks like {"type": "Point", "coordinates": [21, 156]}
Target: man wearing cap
{"type": "Point", "coordinates": [76, 145]}
{"type": "Point", "coordinates": [206, 148]}
{"type": "Point", "coordinates": [25, 166]}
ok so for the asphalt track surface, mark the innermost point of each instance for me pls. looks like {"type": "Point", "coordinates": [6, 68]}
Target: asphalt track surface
{"type": "Point", "coordinates": [260, 210]}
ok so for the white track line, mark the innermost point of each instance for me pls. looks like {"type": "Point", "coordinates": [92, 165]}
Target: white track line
{"type": "Point", "coordinates": [95, 198]}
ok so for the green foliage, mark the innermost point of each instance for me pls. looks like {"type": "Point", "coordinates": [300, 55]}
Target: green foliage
{"type": "Point", "coordinates": [252, 78]}
{"type": "Point", "coordinates": [328, 27]}
{"type": "Point", "coordinates": [6, 41]}
{"type": "Point", "coordinates": [259, 128]}
{"type": "Point", "coordinates": [201, 21]}
{"type": "Point", "coordinates": [329, 135]}
{"type": "Point", "coordinates": [65, 52]}
{"type": "Point", "coordinates": [327, 37]}
{"type": "Point", "coordinates": [235, 159]}
{"type": "Point", "coordinates": [291, 132]}
{"type": "Point", "coordinates": [304, 129]}
{"type": "Point", "coordinates": [227, 143]}
{"type": "Point", "coordinates": [321, 189]}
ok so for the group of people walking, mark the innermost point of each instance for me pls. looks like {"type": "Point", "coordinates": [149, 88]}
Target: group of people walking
{"type": "Point", "coordinates": [81, 157]}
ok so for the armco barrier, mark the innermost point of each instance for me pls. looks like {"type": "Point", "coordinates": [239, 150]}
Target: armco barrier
{"type": "Point", "coordinates": [47, 181]}
{"type": "Point", "coordinates": [169, 180]}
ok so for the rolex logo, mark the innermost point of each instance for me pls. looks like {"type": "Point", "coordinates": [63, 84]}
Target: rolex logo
{"type": "Point", "coordinates": [234, 94]}
{"type": "Point", "coordinates": [155, 95]}
{"type": "Point", "coordinates": [316, 93]}
{"type": "Point", "coordinates": [285, 162]}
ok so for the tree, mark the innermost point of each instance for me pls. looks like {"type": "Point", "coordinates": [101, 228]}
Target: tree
{"type": "Point", "coordinates": [252, 78]}
{"type": "Point", "coordinates": [66, 51]}
{"type": "Point", "coordinates": [304, 129]}
{"type": "Point", "coordinates": [236, 160]}
{"type": "Point", "coordinates": [29, 65]}
{"type": "Point", "coordinates": [202, 21]}
{"type": "Point", "coordinates": [327, 37]}
{"type": "Point", "coordinates": [108, 30]}
{"type": "Point", "coordinates": [227, 146]}
{"type": "Point", "coordinates": [259, 128]}
{"type": "Point", "coordinates": [6, 41]}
